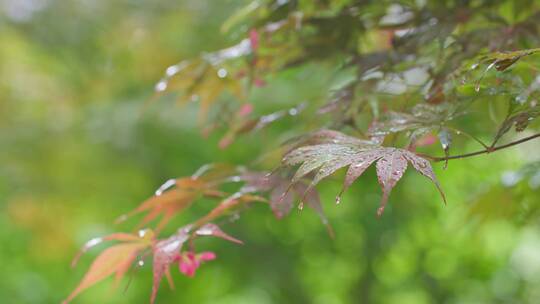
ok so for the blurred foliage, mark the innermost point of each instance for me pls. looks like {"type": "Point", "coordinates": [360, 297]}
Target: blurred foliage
{"type": "Point", "coordinates": [84, 138]}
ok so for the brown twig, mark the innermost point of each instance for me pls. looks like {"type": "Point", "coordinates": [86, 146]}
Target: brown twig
{"type": "Point", "coordinates": [485, 151]}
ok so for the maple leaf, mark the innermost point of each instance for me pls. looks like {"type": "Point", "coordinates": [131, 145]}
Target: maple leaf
{"type": "Point", "coordinates": [115, 260]}
{"type": "Point", "coordinates": [205, 79]}
{"type": "Point", "coordinates": [175, 195]}
{"type": "Point", "coordinates": [422, 120]}
{"type": "Point", "coordinates": [423, 115]}
{"type": "Point", "coordinates": [228, 206]}
{"type": "Point", "coordinates": [326, 136]}
{"type": "Point", "coordinates": [391, 164]}
{"type": "Point", "coordinates": [168, 251]}
{"type": "Point", "coordinates": [281, 200]}
{"type": "Point", "coordinates": [503, 60]}
{"type": "Point", "coordinates": [242, 123]}
{"type": "Point", "coordinates": [519, 119]}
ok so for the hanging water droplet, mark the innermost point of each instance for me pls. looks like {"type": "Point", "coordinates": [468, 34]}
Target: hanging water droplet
{"type": "Point", "coordinates": [222, 73]}
{"type": "Point", "coordinates": [338, 200]}
{"type": "Point", "coordinates": [474, 66]}
{"type": "Point", "coordinates": [301, 206]}
{"type": "Point", "coordinates": [161, 86]}
{"type": "Point", "coordinates": [140, 263]}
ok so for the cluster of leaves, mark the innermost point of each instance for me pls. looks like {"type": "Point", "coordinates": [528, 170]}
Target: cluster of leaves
{"type": "Point", "coordinates": [414, 69]}
{"type": "Point", "coordinates": [174, 196]}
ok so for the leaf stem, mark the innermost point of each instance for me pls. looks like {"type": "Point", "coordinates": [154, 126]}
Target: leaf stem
{"type": "Point", "coordinates": [478, 140]}
{"type": "Point", "coordinates": [485, 151]}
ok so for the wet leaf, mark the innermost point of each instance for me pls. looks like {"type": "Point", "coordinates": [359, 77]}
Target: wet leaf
{"type": "Point", "coordinates": [169, 250]}
{"type": "Point", "coordinates": [214, 230]}
{"type": "Point", "coordinates": [422, 115]}
{"type": "Point", "coordinates": [325, 159]}
{"type": "Point", "coordinates": [503, 60]}
{"type": "Point", "coordinates": [520, 120]}
{"type": "Point", "coordinates": [115, 260]}
{"type": "Point", "coordinates": [281, 198]}
{"type": "Point", "coordinates": [242, 122]}
{"type": "Point", "coordinates": [175, 195]}
{"type": "Point", "coordinates": [142, 236]}
{"type": "Point", "coordinates": [229, 205]}
{"type": "Point", "coordinates": [240, 15]}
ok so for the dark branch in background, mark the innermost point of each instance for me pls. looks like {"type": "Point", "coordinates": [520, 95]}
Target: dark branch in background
{"type": "Point", "coordinates": [485, 151]}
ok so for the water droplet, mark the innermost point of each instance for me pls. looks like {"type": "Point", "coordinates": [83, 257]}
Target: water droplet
{"type": "Point", "coordinates": [168, 184]}
{"type": "Point", "coordinates": [161, 86]}
{"type": "Point", "coordinates": [338, 200]}
{"type": "Point", "coordinates": [140, 263]}
{"type": "Point", "coordinates": [172, 70]}
{"type": "Point", "coordinates": [236, 195]}
{"type": "Point", "coordinates": [222, 73]}
{"type": "Point", "coordinates": [301, 206]}
{"type": "Point", "coordinates": [521, 99]}
{"type": "Point", "coordinates": [474, 66]}
{"type": "Point", "coordinates": [234, 217]}
{"type": "Point", "coordinates": [235, 179]}
{"type": "Point", "coordinates": [142, 233]}
{"type": "Point", "coordinates": [121, 218]}
{"type": "Point", "coordinates": [293, 111]}
{"type": "Point", "coordinates": [510, 178]}
{"type": "Point", "coordinates": [93, 242]}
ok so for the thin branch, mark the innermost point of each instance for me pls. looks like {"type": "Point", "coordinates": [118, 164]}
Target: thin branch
{"type": "Point", "coordinates": [485, 151]}
{"type": "Point", "coordinates": [460, 132]}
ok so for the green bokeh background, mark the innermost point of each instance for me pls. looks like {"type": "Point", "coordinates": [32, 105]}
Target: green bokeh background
{"type": "Point", "coordinates": [78, 149]}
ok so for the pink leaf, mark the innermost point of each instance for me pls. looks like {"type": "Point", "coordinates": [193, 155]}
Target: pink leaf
{"type": "Point", "coordinates": [390, 169]}
{"type": "Point", "coordinates": [214, 230]}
